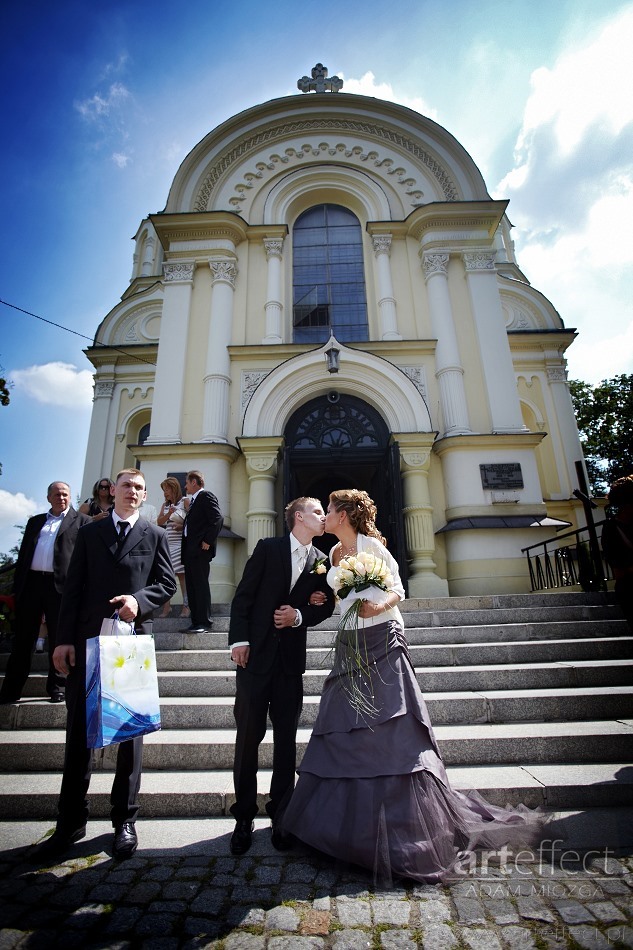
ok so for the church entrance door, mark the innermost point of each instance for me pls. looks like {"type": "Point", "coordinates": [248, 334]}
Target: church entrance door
{"type": "Point", "coordinates": [339, 441]}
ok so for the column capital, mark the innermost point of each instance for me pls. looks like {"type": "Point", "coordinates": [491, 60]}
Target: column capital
{"type": "Point", "coordinates": [178, 271]}
{"type": "Point", "coordinates": [482, 260]}
{"type": "Point", "coordinates": [104, 389]}
{"type": "Point", "coordinates": [223, 272]}
{"type": "Point", "coordinates": [274, 247]}
{"type": "Point", "coordinates": [435, 262]}
{"type": "Point", "coordinates": [381, 244]}
{"type": "Point", "coordinates": [556, 374]}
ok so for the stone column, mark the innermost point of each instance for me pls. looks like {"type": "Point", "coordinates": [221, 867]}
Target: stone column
{"type": "Point", "coordinates": [496, 358]}
{"type": "Point", "coordinates": [273, 306]}
{"type": "Point", "coordinates": [172, 353]}
{"type": "Point", "coordinates": [97, 437]}
{"type": "Point", "coordinates": [386, 299]}
{"type": "Point", "coordinates": [449, 372]}
{"type": "Point", "coordinates": [217, 378]}
{"type": "Point", "coordinates": [415, 460]}
{"type": "Point", "coordinates": [148, 256]}
{"type": "Point", "coordinates": [563, 412]}
{"type": "Point", "coordinates": [261, 467]}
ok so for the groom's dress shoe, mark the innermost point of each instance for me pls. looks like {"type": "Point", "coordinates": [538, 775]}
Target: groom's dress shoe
{"type": "Point", "coordinates": [279, 840]}
{"type": "Point", "coordinates": [125, 840]}
{"type": "Point", "coordinates": [242, 837]}
{"type": "Point", "coordinates": [58, 843]}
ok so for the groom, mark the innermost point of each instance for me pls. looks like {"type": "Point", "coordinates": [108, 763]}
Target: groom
{"type": "Point", "coordinates": [270, 615]}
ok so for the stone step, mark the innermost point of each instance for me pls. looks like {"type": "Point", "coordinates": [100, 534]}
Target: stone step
{"type": "Point", "coordinates": [31, 796]}
{"type": "Point", "coordinates": [521, 705]}
{"type": "Point", "coordinates": [472, 744]}
{"type": "Point", "coordinates": [323, 636]}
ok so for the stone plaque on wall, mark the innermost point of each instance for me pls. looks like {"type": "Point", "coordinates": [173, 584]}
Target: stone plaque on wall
{"type": "Point", "coordinates": [502, 475]}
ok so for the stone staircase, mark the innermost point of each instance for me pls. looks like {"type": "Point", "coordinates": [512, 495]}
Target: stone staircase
{"type": "Point", "coordinates": [531, 697]}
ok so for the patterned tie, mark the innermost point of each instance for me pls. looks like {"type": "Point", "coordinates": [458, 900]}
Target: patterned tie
{"type": "Point", "coordinates": [300, 555]}
{"type": "Point", "coordinates": [123, 526]}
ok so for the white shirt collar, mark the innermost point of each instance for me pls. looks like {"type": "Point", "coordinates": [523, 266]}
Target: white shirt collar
{"type": "Point", "coordinates": [131, 520]}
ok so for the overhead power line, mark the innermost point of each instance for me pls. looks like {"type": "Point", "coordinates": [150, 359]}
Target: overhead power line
{"type": "Point", "coordinates": [59, 326]}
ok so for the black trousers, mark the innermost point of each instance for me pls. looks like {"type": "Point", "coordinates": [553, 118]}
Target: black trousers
{"type": "Point", "coordinates": [39, 596]}
{"type": "Point", "coordinates": [279, 695]}
{"type": "Point", "coordinates": [197, 571]}
{"type": "Point", "coordinates": [73, 808]}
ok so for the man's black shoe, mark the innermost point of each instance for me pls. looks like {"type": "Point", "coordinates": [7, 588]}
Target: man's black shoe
{"type": "Point", "coordinates": [9, 701]}
{"type": "Point", "coordinates": [57, 698]}
{"type": "Point", "coordinates": [279, 840]}
{"type": "Point", "coordinates": [206, 629]}
{"type": "Point", "coordinates": [242, 837]}
{"type": "Point", "coordinates": [125, 840]}
{"type": "Point", "coordinates": [58, 843]}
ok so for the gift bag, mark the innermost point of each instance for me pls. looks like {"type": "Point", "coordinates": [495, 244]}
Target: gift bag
{"type": "Point", "coordinates": [114, 627]}
{"type": "Point", "coordinates": [121, 689]}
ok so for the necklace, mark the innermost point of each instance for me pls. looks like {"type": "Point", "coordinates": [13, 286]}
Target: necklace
{"type": "Point", "coordinates": [349, 550]}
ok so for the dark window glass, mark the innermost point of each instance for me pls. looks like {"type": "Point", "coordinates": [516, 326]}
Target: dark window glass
{"type": "Point", "coordinates": [328, 276]}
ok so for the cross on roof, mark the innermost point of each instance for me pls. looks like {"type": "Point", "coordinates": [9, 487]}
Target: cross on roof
{"type": "Point", "coordinates": [319, 81]}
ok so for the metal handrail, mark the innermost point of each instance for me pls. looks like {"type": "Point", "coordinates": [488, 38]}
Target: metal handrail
{"type": "Point", "coordinates": [578, 563]}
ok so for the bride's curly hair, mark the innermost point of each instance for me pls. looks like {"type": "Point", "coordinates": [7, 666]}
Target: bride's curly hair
{"type": "Point", "coordinates": [361, 511]}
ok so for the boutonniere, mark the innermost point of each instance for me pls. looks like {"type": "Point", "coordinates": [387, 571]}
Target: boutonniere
{"type": "Point", "coordinates": [319, 566]}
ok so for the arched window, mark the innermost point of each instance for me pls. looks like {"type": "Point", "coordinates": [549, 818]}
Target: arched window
{"type": "Point", "coordinates": [328, 276]}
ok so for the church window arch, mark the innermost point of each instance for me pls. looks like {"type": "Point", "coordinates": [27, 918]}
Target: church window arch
{"type": "Point", "coordinates": [328, 276]}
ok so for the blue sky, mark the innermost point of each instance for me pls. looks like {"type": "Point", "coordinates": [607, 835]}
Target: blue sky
{"type": "Point", "coordinates": [100, 106]}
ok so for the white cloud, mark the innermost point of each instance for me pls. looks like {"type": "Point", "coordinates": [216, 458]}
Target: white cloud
{"type": "Point", "coordinates": [102, 105]}
{"type": "Point", "coordinates": [14, 510]}
{"type": "Point", "coordinates": [367, 86]}
{"type": "Point", "coordinates": [571, 193]}
{"type": "Point", "coordinates": [55, 384]}
{"type": "Point", "coordinates": [120, 159]}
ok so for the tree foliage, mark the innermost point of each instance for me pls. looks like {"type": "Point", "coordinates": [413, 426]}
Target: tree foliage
{"type": "Point", "coordinates": [604, 414]}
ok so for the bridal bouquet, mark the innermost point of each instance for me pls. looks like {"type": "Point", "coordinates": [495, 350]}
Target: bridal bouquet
{"type": "Point", "coordinates": [357, 578]}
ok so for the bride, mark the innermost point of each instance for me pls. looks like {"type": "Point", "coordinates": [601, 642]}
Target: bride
{"type": "Point", "coordinates": [372, 786]}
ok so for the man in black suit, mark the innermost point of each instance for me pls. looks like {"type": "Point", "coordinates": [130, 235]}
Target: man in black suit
{"type": "Point", "coordinates": [202, 527]}
{"type": "Point", "coordinates": [121, 562]}
{"type": "Point", "coordinates": [40, 573]}
{"type": "Point", "coordinates": [274, 604]}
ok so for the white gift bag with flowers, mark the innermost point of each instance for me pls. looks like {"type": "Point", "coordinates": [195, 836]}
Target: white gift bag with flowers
{"type": "Point", "coordinates": [121, 689]}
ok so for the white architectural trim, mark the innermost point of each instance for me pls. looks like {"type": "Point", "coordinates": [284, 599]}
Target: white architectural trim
{"type": "Point", "coordinates": [368, 192]}
{"type": "Point", "coordinates": [303, 377]}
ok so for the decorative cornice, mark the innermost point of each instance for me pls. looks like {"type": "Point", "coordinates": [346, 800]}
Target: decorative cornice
{"type": "Point", "coordinates": [556, 374]}
{"type": "Point", "coordinates": [325, 151]}
{"type": "Point", "coordinates": [104, 390]}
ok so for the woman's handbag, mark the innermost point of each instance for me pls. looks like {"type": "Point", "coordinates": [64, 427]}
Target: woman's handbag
{"type": "Point", "coordinates": [121, 688]}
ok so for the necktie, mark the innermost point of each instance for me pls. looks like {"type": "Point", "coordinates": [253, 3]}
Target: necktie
{"type": "Point", "coordinates": [123, 526]}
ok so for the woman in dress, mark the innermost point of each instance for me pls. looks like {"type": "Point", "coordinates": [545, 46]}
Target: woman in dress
{"type": "Point", "coordinates": [172, 518]}
{"type": "Point", "coordinates": [372, 786]}
{"type": "Point", "coordinates": [102, 500]}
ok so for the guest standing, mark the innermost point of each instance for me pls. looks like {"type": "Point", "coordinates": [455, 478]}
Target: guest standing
{"type": "Point", "coordinates": [202, 527]}
{"type": "Point", "coordinates": [40, 574]}
{"type": "Point", "coordinates": [119, 563]}
{"type": "Point", "coordinates": [172, 518]}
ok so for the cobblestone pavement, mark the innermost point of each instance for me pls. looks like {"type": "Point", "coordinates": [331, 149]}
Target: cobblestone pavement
{"type": "Point", "coordinates": [269, 901]}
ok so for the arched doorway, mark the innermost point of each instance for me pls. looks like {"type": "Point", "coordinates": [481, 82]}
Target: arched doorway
{"type": "Point", "coordinates": [339, 441]}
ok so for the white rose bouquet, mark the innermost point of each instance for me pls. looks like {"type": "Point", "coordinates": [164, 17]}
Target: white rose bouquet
{"type": "Point", "coordinates": [359, 577]}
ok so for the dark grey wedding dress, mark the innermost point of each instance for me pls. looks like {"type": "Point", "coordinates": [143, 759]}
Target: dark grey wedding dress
{"type": "Point", "coordinates": [373, 790]}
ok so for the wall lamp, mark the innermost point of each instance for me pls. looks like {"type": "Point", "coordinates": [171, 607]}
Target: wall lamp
{"type": "Point", "coordinates": [332, 358]}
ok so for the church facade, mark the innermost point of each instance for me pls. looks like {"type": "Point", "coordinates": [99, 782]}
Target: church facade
{"type": "Point", "coordinates": [331, 299]}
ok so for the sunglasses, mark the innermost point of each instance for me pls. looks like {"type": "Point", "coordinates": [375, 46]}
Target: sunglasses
{"type": "Point", "coordinates": [104, 486]}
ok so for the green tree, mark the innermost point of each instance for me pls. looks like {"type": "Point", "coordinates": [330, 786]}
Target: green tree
{"type": "Point", "coordinates": [604, 414]}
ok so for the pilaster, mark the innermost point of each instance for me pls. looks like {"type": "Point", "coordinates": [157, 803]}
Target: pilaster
{"type": "Point", "coordinates": [172, 353]}
{"type": "Point", "coordinates": [449, 371]}
{"type": "Point", "coordinates": [261, 457]}
{"type": "Point", "coordinates": [415, 460]}
{"type": "Point", "coordinates": [386, 299]}
{"type": "Point", "coordinates": [217, 379]}
{"type": "Point", "coordinates": [273, 306]}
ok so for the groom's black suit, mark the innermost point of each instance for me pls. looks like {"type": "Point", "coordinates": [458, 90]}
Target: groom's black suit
{"type": "Point", "coordinates": [271, 683]}
{"type": "Point", "coordinates": [98, 571]}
